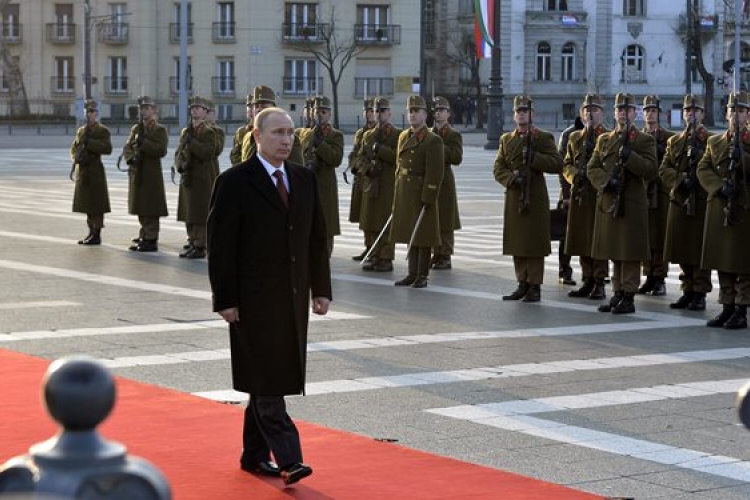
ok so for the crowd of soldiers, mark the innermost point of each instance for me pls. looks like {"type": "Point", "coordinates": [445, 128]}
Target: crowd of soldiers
{"type": "Point", "coordinates": [638, 198]}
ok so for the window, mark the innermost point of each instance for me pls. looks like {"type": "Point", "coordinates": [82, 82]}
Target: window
{"type": "Point", "coordinates": [174, 83]}
{"type": "Point", "coordinates": [225, 16]}
{"type": "Point", "coordinates": [11, 28]}
{"type": "Point", "coordinates": [555, 4]}
{"type": "Point", "coordinates": [301, 77]}
{"type": "Point", "coordinates": [174, 28]}
{"type": "Point", "coordinates": [118, 11]}
{"type": "Point", "coordinates": [632, 65]}
{"type": "Point", "coordinates": [372, 22]}
{"type": "Point", "coordinates": [4, 84]}
{"type": "Point", "coordinates": [225, 76]}
{"type": "Point", "coordinates": [429, 23]}
{"type": "Point", "coordinates": [118, 75]}
{"type": "Point", "coordinates": [63, 79]}
{"type": "Point", "coordinates": [373, 78]}
{"type": "Point", "coordinates": [224, 112]}
{"type": "Point", "coordinates": [64, 28]}
{"type": "Point", "coordinates": [568, 62]}
{"type": "Point", "coordinates": [543, 61]}
{"type": "Point", "coordinates": [633, 8]}
{"type": "Point", "coordinates": [300, 20]}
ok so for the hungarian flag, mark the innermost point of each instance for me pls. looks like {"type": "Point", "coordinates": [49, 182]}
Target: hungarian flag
{"type": "Point", "coordinates": [484, 27]}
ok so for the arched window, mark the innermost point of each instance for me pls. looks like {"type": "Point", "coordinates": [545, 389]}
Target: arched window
{"type": "Point", "coordinates": [543, 61]}
{"type": "Point", "coordinates": [568, 62]}
{"type": "Point", "coordinates": [633, 69]}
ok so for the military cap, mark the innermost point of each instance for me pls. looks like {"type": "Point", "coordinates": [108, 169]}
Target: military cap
{"type": "Point", "coordinates": [593, 100]}
{"type": "Point", "coordinates": [738, 99]}
{"type": "Point", "coordinates": [322, 102]}
{"type": "Point", "coordinates": [415, 101]}
{"type": "Point", "coordinates": [624, 100]}
{"type": "Point", "coordinates": [249, 100]}
{"type": "Point", "coordinates": [209, 104]}
{"type": "Point", "coordinates": [197, 101]}
{"type": "Point", "coordinates": [263, 94]}
{"type": "Point", "coordinates": [145, 100]}
{"type": "Point", "coordinates": [369, 103]}
{"type": "Point", "coordinates": [522, 102]}
{"type": "Point", "coordinates": [90, 105]}
{"type": "Point", "coordinates": [692, 101]}
{"type": "Point", "coordinates": [382, 103]}
{"type": "Point", "coordinates": [651, 101]}
{"type": "Point", "coordinates": [441, 103]}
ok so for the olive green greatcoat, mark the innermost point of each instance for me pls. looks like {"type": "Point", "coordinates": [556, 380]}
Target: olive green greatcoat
{"type": "Point", "coordinates": [657, 217]}
{"type": "Point", "coordinates": [194, 159]}
{"type": "Point", "coordinates": [419, 172]}
{"type": "Point", "coordinates": [580, 228]}
{"type": "Point", "coordinates": [355, 167]}
{"type": "Point", "coordinates": [146, 194]}
{"type": "Point", "coordinates": [526, 234]}
{"type": "Point", "coordinates": [323, 159]}
{"type": "Point", "coordinates": [221, 137]}
{"type": "Point", "coordinates": [684, 234]}
{"type": "Point", "coordinates": [235, 155]}
{"type": "Point", "coordinates": [725, 248]}
{"type": "Point", "coordinates": [249, 147]}
{"type": "Point", "coordinates": [622, 238]}
{"type": "Point", "coordinates": [453, 152]}
{"type": "Point", "coordinates": [378, 176]}
{"type": "Point", "coordinates": [91, 195]}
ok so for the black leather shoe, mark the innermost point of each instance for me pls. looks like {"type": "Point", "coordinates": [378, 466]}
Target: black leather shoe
{"type": "Point", "coordinates": [294, 473]}
{"type": "Point", "coordinates": [382, 266]}
{"type": "Point", "coordinates": [186, 252]}
{"type": "Point", "coordinates": [187, 246]}
{"type": "Point", "coordinates": [567, 280]}
{"type": "Point", "coordinates": [92, 239]}
{"type": "Point", "coordinates": [738, 320]}
{"type": "Point", "coordinates": [360, 257]}
{"type": "Point", "coordinates": [408, 281]}
{"type": "Point", "coordinates": [133, 248]}
{"type": "Point", "coordinates": [647, 286]}
{"type": "Point", "coordinates": [264, 468]}
{"type": "Point", "coordinates": [684, 301]}
{"type": "Point", "coordinates": [598, 292]}
{"type": "Point", "coordinates": [533, 295]}
{"type": "Point", "coordinates": [727, 311]}
{"type": "Point", "coordinates": [196, 253]}
{"type": "Point", "coordinates": [442, 263]}
{"type": "Point", "coordinates": [420, 282]}
{"type": "Point", "coordinates": [698, 302]}
{"type": "Point", "coordinates": [519, 293]}
{"type": "Point", "coordinates": [625, 306]}
{"type": "Point", "coordinates": [585, 290]}
{"type": "Point", "coordinates": [659, 289]}
{"type": "Point", "coordinates": [147, 246]}
{"type": "Point", "coordinates": [136, 239]}
{"type": "Point", "coordinates": [608, 306]}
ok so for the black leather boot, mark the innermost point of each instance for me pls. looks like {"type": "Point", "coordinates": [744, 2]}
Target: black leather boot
{"type": "Point", "coordinates": [698, 302]}
{"type": "Point", "coordinates": [607, 306]}
{"type": "Point", "coordinates": [94, 238]}
{"type": "Point", "coordinates": [738, 319]}
{"type": "Point", "coordinates": [420, 282]}
{"type": "Point", "coordinates": [361, 256]}
{"type": "Point", "coordinates": [585, 290]}
{"type": "Point", "coordinates": [83, 240]}
{"type": "Point", "coordinates": [684, 301]}
{"type": "Point", "coordinates": [718, 321]}
{"type": "Point", "coordinates": [626, 305]}
{"type": "Point", "coordinates": [187, 251]}
{"type": "Point", "coordinates": [660, 288]}
{"type": "Point", "coordinates": [408, 281]}
{"type": "Point", "coordinates": [648, 285]}
{"type": "Point", "coordinates": [147, 246]}
{"type": "Point", "coordinates": [598, 292]}
{"type": "Point", "coordinates": [519, 292]}
{"type": "Point", "coordinates": [196, 253]}
{"type": "Point", "coordinates": [533, 295]}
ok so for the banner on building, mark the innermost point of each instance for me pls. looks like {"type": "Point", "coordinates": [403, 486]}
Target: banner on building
{"type": "Point", "coordinates": [484, 27]}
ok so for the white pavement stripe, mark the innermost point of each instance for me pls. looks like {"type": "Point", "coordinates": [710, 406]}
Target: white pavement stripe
{"type": "Point", "coordinates": [38, 304]}
{"type": "Point", "coordinates": [504, 371]}
{"type": "Point", "coordinates": [514, 416]}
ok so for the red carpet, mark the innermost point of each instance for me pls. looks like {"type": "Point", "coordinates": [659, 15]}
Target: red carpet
{"type": "Point", "coordinates": [194, 442]}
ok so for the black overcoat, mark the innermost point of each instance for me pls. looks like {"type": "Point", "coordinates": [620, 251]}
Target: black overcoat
{"type": "Point", "coordinates": [266, 260]}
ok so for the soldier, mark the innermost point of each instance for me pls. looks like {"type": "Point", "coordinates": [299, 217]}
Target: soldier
{"type": "Point", "coordinates": [523, 157]}
{"type": "Point", "coordinates": [419, 172]}
{"type": "Point", "coordinates": [580, 230]}
{"type": "Point", "coordinates": [194, 160]}
{"type": "Point", "coordinates": [355, 166]}
{"type": "Point", "coordinates": [378, 155]}
{"type": "Point", "coordinates": [91, 196]}
{"type": "Point", "coordinates": [235, 155]}
{"type": "Point", "coordinates": [723, 172]}
{"type": "Point", "coordinates": [565, 272]}
{"type": "Point", "coordinates": [264, 97]}
{"type": "Point", "coordinates": [684, 230]}
{"type": "Point", "coordinates": [622, 161]}
{"type": "Point", "coordinates": [323, 148]}
{"type": "Point", "coordinates": [655, 269]}
{"type": "Point", "coordinates": [220, 137]}
{"type": "Point", "coordinates": [453, 150]}
{"type": "Point", "coordinates": [143, 151]}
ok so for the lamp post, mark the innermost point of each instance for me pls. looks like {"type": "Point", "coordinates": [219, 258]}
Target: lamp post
{"type": "Point", "coordinates": [86, 50]}
{"type": "Point", "coordinates": [495, 89]}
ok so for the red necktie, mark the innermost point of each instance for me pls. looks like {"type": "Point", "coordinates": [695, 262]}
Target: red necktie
{"type": "Point", "coordinates": [281, 188]}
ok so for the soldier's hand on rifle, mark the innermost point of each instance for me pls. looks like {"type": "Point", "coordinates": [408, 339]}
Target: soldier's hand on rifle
{"type": "Point", "coordinates": [694, 152]}
{"type": "Point", "coordinates": [737, 153]}
{"type": "Point", "coordinates": [318, 138]}
{"type": "Point", "coordinates": [686, 184]}
{"type": "Point", "coordinates": [625, 152]}
{"type": "Point", "coordinates": [727, 190]}
{"type": "Point", "coordinates": [516, 182]}
{"type": "Point", "coordinates": [613, 184]}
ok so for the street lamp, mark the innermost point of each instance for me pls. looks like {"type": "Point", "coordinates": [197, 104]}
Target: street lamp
{"type": "Point", "coordinates": [89, 22]}
{"type": "Point", "coordinates": [495, 89]}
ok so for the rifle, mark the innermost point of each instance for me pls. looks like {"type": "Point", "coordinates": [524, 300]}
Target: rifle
{"type": "Point", "coordinates": [618, 175]}
{"type": "Point", "coordinates": [652, 187]}
{"type": "Point", "coordinates": [183, 156]}
{"type": "Point", "coordinates": [730, 180]}
{"type": "Point", "coordinates": [374, 169]}
{"type": "Point", "coordinates": [318, 137]}
{"type": "Point", "coordinates": [692, 163]}
{"type": "Point", "coordinates": [137, 159]}
{"type": "Point", "coordinates": [81, 155]}
{"type": "Point", "coordinates": [525, 171]}
{"type": "Point", "coordinates": [580, 180]}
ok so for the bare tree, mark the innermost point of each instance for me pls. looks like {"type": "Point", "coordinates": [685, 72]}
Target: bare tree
{"type": "Point", "coordinates": [19, 102]}
{"type": "Point", "coordinates": [464, 55]}
{"type": "Point", "coordinates": [694, 39]}
{"type": "Point", "coordinates": [334, 52]}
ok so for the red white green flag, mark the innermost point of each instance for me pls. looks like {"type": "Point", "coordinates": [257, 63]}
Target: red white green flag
{"type": "Point", "coordinates": [484, 27]}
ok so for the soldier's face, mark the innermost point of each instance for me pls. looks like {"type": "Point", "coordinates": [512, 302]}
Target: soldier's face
{"type": "Point", "coordinates": [370, 116]}
{"type": "Point", "coordinates": [521, 117]}
{"type": "Point", "coordinates": [276, 138]}
{"type": "Point", "coordinates": [323, 115]}
{"type": "Point", "coordinates": [91, 115]}
{"type": "Point", "coordinates": [198, 112]}
{"type": "Point", "coordinates": [148, 112]}
{"type": "Point", "coordinates": [417, 117]}
{"type": "Point", "coordinates": [442, 115]}
{"type": "Point", "coordinates": [650, 115]}
{"type": "Point", "coordinates": [384, 116]}
{"type": "Point", "coordinates": [741, 116]}
{"type": "Point", "coordinates": [249, 112]}
{"type": "Point", "coordinates": [624, 114]}
{"type": "Point", "coordinates": [687, 115]}
{"type": "Point", "coordinates": [597, 114]}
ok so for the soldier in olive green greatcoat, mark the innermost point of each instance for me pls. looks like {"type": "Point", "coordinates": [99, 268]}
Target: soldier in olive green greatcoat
{"type": "Point", "coordinates": [623, 161]}
{"type": "Point", "coordinates": [655, 269]}
{"type": "Point", "coordinates": [91, 195]}
{"type": "Point", "coordinates": [724, 172]}
{"type": "Point", "coordinates": [235, 154]}
{"type": "Point", "coordinates": [683, 240]}
{"type": "Point", "coordinates": [143, 151]}
{"type": "Point", "coordinates": [419, 172]}
{"type": "Point", "coordinates": [378, 157]}
{"type": "Point", "coordinates": [356, 166]}
{"type": "Point", "coordinates": [220, 137]}
{"type": "Point", "coordinates": [323, 150]}
{"type": "Point", "coordinates": [453, 150]}
{"type": "Point", "coordinates": [263, 97]}
{"type": "Point", "coordinates": [194, 160]}
{"type": "Point", "coordinates": [579, 233]}
{"type": "Point", "coordinates": [523, 157]}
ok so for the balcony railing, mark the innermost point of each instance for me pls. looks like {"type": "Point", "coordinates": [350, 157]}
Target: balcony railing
{"type": "Point", "coordinates": [11, 33]}
{"type": "Point", "coordinates": [174, 86]}
{"type": "Point", "coordinates": [114, 33]}
{"type": "Point", "coordinates": [223, 32]}
{"type": "Point", "coordinates": [222, 86]}
{"type": "Point", "coordinates": [378, 34]}
{"type": "Point", "coordinates": [302, 86]}
{"type": "Point", "coordinates": [116, 86]}
{"type": "Point", "coordinates": [62, 85]}
{"type": "Point", "coordinates": [63, 33]}
{"type": "Point", "coordinates": [302, 32]}
{"type": "Point", "coordinates": [371, 87]}
{"type": "Point", "coordinates": [174, 32]}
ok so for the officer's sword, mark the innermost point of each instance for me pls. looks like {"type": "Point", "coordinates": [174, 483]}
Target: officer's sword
{"type": "Point", "coordinates": [414, 231]}
{"type": "Point", "coordinates": [377, 240]}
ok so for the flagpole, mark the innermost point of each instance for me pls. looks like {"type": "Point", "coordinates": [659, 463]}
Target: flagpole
{"type": "Point", "coordinates": [495, 89]}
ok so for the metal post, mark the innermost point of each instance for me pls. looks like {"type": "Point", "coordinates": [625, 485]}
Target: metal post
{"type": "Point", "coordinates": [495, 89]}
{"type": "Point", "coordinates": [183, 76]}
{"type": "Point", "coordinates": [689, 49]}
{"type": "Point", "coordinates": [737, 21]}
{"type": "Point", "coordinates": [86, 50]}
